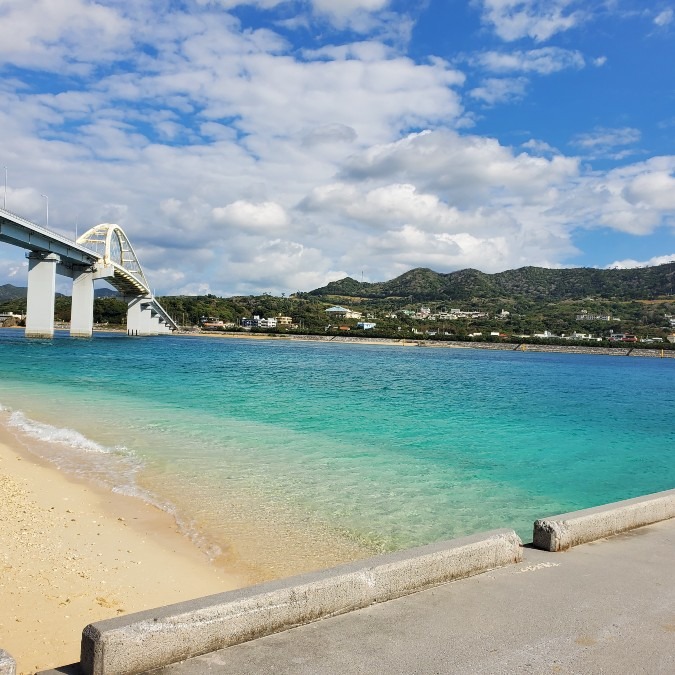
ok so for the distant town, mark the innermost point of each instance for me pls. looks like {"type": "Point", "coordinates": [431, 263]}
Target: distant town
{"type": "Point", "coordinates": [432, 325]}
{"type": "Point", "coordinates": [577, 306]}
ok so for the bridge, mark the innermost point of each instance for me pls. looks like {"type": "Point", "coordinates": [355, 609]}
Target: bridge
{"type": "Point", "coordinates": [103, 252]}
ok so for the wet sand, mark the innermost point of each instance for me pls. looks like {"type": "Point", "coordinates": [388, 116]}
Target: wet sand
{"type": "Point", "coordinates": [71, 553]}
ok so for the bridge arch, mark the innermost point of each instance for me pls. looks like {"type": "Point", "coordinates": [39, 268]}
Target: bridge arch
{"type": "Point", "coordinates": [111, 243]}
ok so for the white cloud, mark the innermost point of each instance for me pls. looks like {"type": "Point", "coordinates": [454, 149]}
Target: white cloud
{"type": "Point", "coordinates": [655, 189]}
{"type": "Point", "coordinates": [542, 61]}
{"type": "Point", "coordinates": [13, 271]}
{"type": "Point", "coordinates": [539, 147]}
{"type": "Point", "coordinates": [664, 18]}
{"type": "Point", "coordinates": [633, 199]}
{"type": "Point", "coordinates": [266, 216]}
{"type": "Point", "coordinates": [238, 162]}
{"type": "Point", "coordinates": [495, 90]}
{"type": "Point", "coordinates": [604, 142]}
{"type": "Point", "coordinates": [355, 14]}
{"type": "Point", "coordinates": [537, 19]}
{"type": "Point", "coordinates": [629, 263]}
{"type": "Point", "coordinates": [61, 35]}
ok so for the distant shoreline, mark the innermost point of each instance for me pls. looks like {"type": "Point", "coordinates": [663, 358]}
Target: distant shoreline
{"type": "Point", "coordinates": [654, 352]}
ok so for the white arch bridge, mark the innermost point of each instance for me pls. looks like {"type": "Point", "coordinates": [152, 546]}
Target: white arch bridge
{"type": "Point", "coordinates": [103, 252]}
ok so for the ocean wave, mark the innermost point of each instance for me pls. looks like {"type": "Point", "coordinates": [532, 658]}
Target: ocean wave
{"type": "Point", "coordinates": [51, 434]}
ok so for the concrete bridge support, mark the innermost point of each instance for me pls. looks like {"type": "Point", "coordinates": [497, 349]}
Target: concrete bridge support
{"type": "Point", "coordinates": [140, 320]}
{"type": "Point", "coordinates": [82, 310]}
{"type": "Point", "coordinates": [41, 290]}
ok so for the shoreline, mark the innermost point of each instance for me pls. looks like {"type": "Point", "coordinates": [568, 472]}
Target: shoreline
{"type": "Point", "coordinates": [654, 352]}
{"type": "Point", "coordinates": [72, 553]}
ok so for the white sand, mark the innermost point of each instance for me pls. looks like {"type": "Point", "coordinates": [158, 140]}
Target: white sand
{"type": "Point", "coordinates": [71, 554]}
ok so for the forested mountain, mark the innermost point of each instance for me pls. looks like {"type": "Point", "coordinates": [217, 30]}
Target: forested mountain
{"type": "Point", "coordinates": [9, 292]}
{"type": "Point", "coordinates": [535, 283]}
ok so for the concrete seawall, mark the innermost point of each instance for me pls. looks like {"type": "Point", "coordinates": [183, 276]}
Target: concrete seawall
{"type": "Point", "coordinates": [7, 664]}
{"type": "Point", "coordinates": [558, 533]}
{"type": "Point", "coordinates": [151, 639]}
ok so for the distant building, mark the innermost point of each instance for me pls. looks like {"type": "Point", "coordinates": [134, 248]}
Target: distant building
{"type": "Point", "coordinates": [258, 322]}
{"type": "Point", "coordinates": [284, 321]}
{"type": "Point", "coordinates": [581, 336]}
{"type": "Point", "coordinates": [338, 312]}
{"type": "Point", "coordinates": [585, 316]}
{"type": "Point", "coordinates": [366, 325]}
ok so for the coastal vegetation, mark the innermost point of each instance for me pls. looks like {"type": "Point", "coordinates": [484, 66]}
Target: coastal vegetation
{"type": "Point", "coordinates": [525, 301]}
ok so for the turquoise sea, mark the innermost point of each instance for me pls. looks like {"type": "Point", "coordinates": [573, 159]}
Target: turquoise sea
{"type": "Point", "coordinates": [308, 446]}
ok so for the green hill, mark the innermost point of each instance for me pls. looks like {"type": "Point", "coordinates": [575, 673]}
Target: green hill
{"type": "Point", "coordinates": [534, 283]}
{"type": "Point", "coordinates": [9, 292]}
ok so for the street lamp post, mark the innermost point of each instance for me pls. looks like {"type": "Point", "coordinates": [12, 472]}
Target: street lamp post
{"type": "Point", "coordinates": [47, 201]}
{"type": "Point", "coordinates": [4, 201]}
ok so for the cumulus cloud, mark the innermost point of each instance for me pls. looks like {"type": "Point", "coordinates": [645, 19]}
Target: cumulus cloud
{"type": "Point", "coordinates": [245, 215]}
{"type": "Point", "coordinates": [356, 14]}
{"type": "Point", "coordinates": [61, 35]}
{"type": "Point", "coordinates": [656, 189]}
{"type": "Point", "coordinates": [239, 162]}
{"type": "Point", "coordinates": [632, 199]}
{"type": "Point", "coordinates": [537, 19]}
{"type": "Point", "coordinates": [629, 263]}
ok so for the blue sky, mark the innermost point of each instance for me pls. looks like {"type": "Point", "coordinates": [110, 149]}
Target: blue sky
{"type": "Point", "coordinates": [251, 146]}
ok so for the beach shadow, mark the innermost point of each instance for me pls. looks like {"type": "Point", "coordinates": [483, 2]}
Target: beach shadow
{"type": "Point", "coordinates": [72, 669]}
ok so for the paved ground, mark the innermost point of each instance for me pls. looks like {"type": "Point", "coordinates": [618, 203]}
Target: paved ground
{"type": "Point", "coordinates": [605, 607]}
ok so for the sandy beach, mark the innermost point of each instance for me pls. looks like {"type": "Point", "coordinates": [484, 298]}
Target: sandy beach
{"type": "Point", "coordinates": [71, 554]}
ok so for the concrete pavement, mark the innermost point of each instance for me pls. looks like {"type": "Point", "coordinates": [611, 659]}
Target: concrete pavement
{"type": "Point", "coordinates": [603, 607]}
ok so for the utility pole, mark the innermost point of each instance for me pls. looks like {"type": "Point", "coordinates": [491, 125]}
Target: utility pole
{"type": "Point", "coordinates": [47, 201]}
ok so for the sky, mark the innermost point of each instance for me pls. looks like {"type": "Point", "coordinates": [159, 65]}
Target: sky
{"type": "Point", "coordinates": [250, 146]}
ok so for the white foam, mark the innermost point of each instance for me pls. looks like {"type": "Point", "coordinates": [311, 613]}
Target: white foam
{"type": "Point", "coordinates": [52, 434]}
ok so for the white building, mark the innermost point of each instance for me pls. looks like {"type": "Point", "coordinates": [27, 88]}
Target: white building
{"type": "Point", "coordinates": [338, 312]}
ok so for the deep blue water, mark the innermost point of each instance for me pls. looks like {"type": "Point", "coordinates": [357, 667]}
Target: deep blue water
{"type": "Point", "coordinates": [388, 446]}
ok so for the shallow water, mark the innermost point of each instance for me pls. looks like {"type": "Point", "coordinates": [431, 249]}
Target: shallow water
{"type": "Point", "coordinates": [373, 447]}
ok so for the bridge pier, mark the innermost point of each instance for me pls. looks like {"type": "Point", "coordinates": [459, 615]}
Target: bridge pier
{"type": "Point", "coordinates": [41, 290]}
{"type": "Point", "coordinates": [82, 309]}
{"type": "Point", "coordinates": [140, 320]}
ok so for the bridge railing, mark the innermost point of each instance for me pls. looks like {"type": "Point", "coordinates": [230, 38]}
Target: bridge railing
{"type": "Point", "coordinates": [48, 232]}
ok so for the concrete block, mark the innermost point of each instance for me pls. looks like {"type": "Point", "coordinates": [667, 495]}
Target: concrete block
{"type": "Point", "coordinates": [558, 533]}
{"type": "Point", "coordinates": [146, 640]}
{"type": "Point", "coordinates": [7, 664]}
